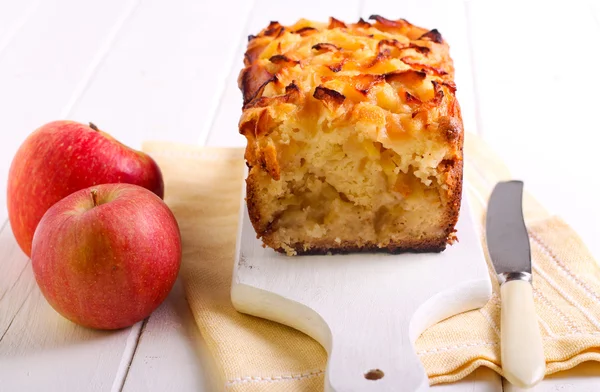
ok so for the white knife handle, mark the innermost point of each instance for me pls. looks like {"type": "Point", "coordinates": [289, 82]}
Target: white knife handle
{"type": "Point", "coordinates": [522, 351]}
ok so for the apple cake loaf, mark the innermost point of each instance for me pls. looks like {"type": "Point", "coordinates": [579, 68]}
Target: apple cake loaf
{"type": "Point", "coordinates": [354, 137]}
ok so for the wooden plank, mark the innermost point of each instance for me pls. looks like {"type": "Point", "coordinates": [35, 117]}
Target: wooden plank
{"type": "Point", "coordinates": [15, 283]}
{"type": "Point", "coordinates": [595, 7]}
{"type": "Point", "coordinates": [163, 77]}
{"type": "Point", "coordinates": [40, 345]}
{"type": "Point", "coordinates": [224, 130]}
{"type": "Point", "coordinates": [535, 106]}
{"type": "Point", "coordinates": [450, 19]}
{"type": "Point", "coordinates": [171, 353]}
{"type": "Point", "coordinates": [481, 380]}
{"type": "Point", "coordinates": [37, 344]}
{"type": "Point", "coordinates": [38, 74]}
{"type": "Point", "coordinates": [13, 15]}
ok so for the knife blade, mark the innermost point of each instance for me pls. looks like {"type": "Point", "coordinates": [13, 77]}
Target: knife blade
{"type": "Point", "coordinates": [507, 238]}
{"type": "Point", "coordinates": [522, 352]}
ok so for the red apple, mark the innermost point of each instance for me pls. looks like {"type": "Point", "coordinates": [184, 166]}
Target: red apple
{"type": "Point", "coordinates": [62, 157]}
{"type": "Point", "coordinates": [106, 256]}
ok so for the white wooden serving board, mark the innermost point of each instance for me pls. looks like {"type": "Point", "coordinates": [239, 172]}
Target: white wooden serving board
{"type": "Point", "coordinates": [366, 310]}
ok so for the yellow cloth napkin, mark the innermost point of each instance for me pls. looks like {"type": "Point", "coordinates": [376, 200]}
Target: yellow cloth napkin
{"type": "Point", "coordinates": [203, 188]}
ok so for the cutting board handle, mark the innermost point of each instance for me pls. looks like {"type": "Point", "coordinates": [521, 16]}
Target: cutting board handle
{"type": "Point", "coordinates": [373, 354]}
{"type": "Point", "coordinates": [369, 348]}
{"type": "Point", "coordinates": [366, 310]}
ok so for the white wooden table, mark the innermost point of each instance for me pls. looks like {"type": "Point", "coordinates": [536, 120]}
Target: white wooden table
{"type": "Point", "coordinates": [150, 69]}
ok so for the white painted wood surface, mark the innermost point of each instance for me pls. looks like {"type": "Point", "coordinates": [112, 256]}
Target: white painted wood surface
{"type": "Point", "coordinates": [146, 69]}
{"type": "Point", "coordinates": [366, 310]}
{"type": "Point", "coordinates": [533, 108]}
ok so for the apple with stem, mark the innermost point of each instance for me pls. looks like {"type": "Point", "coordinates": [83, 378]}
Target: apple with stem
{"type": "Point", "coordinates": [106, 256]}
{"type": "Point", "coordinates": [62, 157]}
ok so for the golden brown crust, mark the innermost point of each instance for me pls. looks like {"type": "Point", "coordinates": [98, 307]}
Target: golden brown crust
{"type": "Point", "coordinates": [329, 96]}
{"type": "Point", "coordinates": [430, 245]}
{"type": "Point", "coordinates": [325, 47]}
{"type": "Point", "coordinates": [253, 80]}
{"type": "Point", "coordinates": [433, 35]}
{"type": "Point", "coordinates": [325, 70]}
{"type": "Point", "coordinates": [334, 23]}
{"type": "Point", "coordinates": [453, 169]}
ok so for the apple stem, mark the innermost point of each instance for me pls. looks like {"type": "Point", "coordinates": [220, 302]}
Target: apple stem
{"type": "Point", "coordinates": [94, 193]}
{"type": "Point", "coordinates": [94, 127]}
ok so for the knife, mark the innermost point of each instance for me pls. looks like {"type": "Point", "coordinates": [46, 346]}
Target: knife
{"type": "Point", "coordinates": [521, 352]}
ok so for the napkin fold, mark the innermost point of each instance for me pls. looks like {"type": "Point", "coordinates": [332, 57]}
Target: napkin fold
{"type": "Point", "coordinates": [203, 188]}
